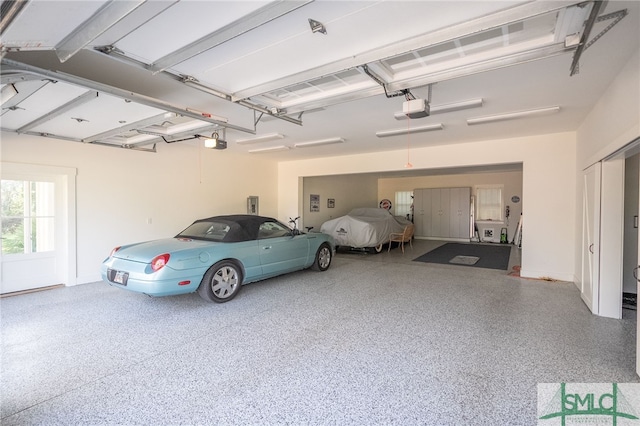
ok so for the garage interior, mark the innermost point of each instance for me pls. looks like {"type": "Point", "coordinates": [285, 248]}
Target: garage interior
{"type": "Point", "coordinates": [139, 117]}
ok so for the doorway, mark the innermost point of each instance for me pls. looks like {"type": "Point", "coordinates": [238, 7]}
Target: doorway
{"type": "Point", "coordinates": [630, 238]}
{"type": "Point", "coordinates": [37, 245]}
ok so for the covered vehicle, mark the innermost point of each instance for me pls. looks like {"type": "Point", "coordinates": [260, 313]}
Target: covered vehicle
{"type": "Point", "coordinates": [364, 228]}
{"type": "Point", "coordinates": [216, 256]}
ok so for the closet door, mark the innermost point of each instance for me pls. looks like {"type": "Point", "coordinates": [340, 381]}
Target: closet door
{"type": "Point", "coordinates": [418, 212]}
{"type": "Point", "coordinates": [590, 282]}
{"type": "Point", "coordinates": [422, 212]}
{"type": "Point", "coordinates": [460, 207]}
{"type": "Point", "coordinates": [427, 218]}
{"type": "Point", "coordinates": [440, 212]}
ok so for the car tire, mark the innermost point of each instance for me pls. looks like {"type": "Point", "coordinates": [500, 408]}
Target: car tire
{"type": "Point", "coordinates": [221, 282]}
{"type": "Point", "coordinates": [323, 259]}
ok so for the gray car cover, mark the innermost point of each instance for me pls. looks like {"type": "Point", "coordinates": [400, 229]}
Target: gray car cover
{"type": "Point", "coordinates": [364, 227]}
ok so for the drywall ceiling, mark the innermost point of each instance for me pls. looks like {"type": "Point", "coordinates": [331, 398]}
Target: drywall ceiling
{"type": "Point", "coordinates": [136, 74]}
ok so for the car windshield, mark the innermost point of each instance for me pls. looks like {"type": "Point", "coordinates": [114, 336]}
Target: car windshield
{"type": "Point", "coordinates": [213, 231]}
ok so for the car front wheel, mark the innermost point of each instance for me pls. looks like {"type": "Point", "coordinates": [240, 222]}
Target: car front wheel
{"type": "Point", "coordinates": [221, 282]}
{"type": "Point", "coordinates": [323, 258]}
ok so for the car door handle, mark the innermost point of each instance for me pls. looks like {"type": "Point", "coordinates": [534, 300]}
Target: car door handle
{"type": "Point", "coordinates": [266, 247]}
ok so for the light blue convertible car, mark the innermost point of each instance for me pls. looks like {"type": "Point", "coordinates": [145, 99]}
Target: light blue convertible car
{"type": "Point", "coordinates": [216, 256]}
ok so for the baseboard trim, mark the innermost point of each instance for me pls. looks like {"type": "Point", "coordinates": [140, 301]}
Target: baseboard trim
{"type": "Point", "coordinates": [32, 290]}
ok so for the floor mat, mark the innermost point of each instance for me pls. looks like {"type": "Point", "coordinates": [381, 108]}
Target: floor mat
{"type": "Point", "coordinates": [488, 256]}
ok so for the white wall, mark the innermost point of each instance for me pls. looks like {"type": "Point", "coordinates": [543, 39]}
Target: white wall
{"type": "Point", "coordinates": [548, 188]}
{"type": "Point", "coordinates": [615, 120]}
{"type": "Point", "coordinates": [349, 192]}
{"type": "Point", "coordinates": [119, 191]}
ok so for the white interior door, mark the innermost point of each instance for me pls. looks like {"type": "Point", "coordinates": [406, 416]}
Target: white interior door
{"type": "Point", "coordinates": [589, 285]}
{"type": "Point", "coordinates": [637, 275]}
{"type": "Point", "coordinates": [37, 245]}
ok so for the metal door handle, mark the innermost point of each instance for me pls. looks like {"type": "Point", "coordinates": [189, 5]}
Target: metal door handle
{"type": "Point", "coordinates": [635, 273]}
{"type": "Point", "coordinates": [591, 249]}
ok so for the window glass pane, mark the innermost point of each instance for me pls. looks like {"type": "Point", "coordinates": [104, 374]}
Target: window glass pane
{"type": "Point", "coordinates": [273, 230]}
{"type": "Point", "coordinates": [28, 210]}
{"type": "Point", "coordinates": [214, 231]}
{"type": "Point", "coordinates": [42, 232]}
{"type": "Point", "coordinates": [12, 198]}
{"type": "Point", "coordinates": [489, 203]}
{"type": "Point", "coordinates": [12, 235]}
{"type": "Point", "coordinates": [404, 202]}
{"type": "Point", "coordinates": [42, 201]}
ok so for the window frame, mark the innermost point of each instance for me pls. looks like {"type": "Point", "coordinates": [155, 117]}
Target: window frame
{"type": "Point", "coordinates": [409, 206]}
{"type": "Point", "coordinates": [500, 218]}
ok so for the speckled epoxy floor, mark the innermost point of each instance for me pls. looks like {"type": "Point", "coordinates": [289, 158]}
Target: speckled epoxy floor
{"type": "Point", "coordinates": [377, 339]}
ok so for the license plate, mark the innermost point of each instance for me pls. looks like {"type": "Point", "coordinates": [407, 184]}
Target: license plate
{"type": "Point", "coordinates": [119, 277]}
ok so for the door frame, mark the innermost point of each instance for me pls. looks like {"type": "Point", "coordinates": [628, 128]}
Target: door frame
{"type": "Point", "coordinates": [65, 181]}
{"type": "Point", "coordinates": [612, 230]}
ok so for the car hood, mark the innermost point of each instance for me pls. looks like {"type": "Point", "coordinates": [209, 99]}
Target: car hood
{"type": "Point", "coordinates": [145, 252]}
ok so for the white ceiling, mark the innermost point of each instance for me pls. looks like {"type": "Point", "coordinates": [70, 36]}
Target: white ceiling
{"type": "Point", "coordinates": [130, 73]}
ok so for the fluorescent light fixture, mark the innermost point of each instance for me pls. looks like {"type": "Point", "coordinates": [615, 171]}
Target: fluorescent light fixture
{"type": "Point", "coordinates": [440, 109]}
{"type": "Point", "coordinates": [513, 115]}
{"type": "Point", "coordinates": [270, 149]}
{"type": "Point", "coordinates": [262, 138]}
{"type": "Point", "coordinates": [8, 91]}
{"type": "Point", "coordinates": [319, 142]}
{"type": "Point", "coordinates": [419, 129]}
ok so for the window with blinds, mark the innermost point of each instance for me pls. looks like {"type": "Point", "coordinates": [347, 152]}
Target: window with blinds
{"type": "Point", "coordinates": [404, 203]}
{"type": "Point", "coordinates": [489, 203]}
